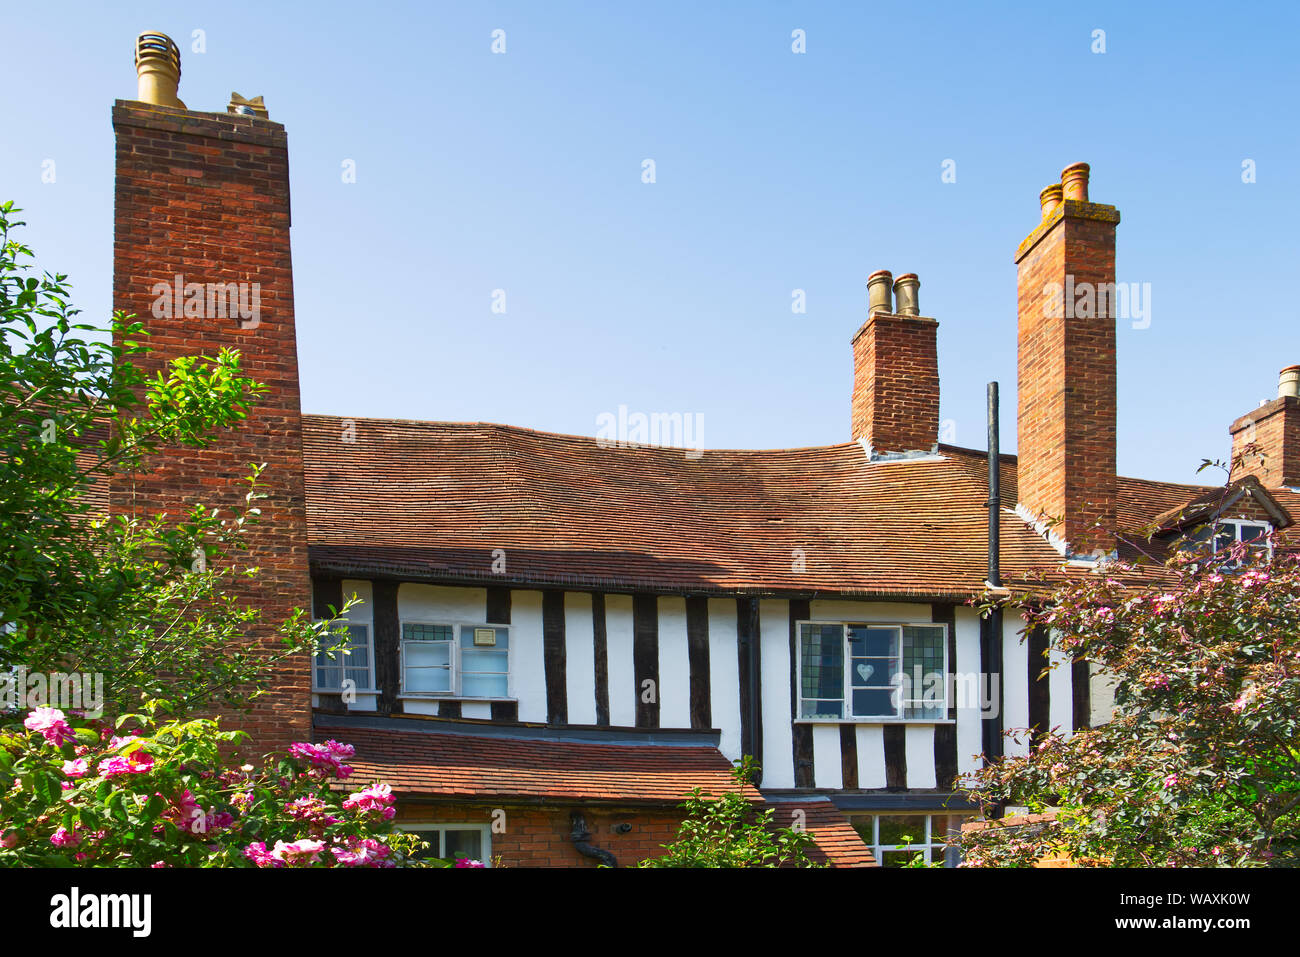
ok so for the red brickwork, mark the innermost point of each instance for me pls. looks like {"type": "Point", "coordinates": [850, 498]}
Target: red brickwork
{"type": "Point", "coordinates": [206, 196]}
{"type": "Point", "coordinates": [896, 383]}
{"type": "Point", "coordinates": [1274, 429]}
{"type": "Point", "coordinates": [1066, 413]}
{"type": "Point", "coordinates": [540, 837]}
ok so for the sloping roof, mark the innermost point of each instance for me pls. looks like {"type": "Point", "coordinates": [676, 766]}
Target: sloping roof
{"type": "Point", "coordinates": [433, 764]}
{"type": "Point", "coordinates": [434, 500]}
{"type": "Point", "coordinates": [836, 842]}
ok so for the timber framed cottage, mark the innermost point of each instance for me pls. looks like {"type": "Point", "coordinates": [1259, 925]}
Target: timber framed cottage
{"type": "Point", "coordinates": [556, 641]}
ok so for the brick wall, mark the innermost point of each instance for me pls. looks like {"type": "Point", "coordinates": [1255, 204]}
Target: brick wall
{"type": "Point", "coordinates": [895, 403]}
{"type": "Point", "coordinates": [1066, 404]}
{"type": "Point", "coordinates": [1274, 428]}
{"type": "Point", "coordinates": [539, 837]}
{"type": "Point", "coordinates": [207, 196]}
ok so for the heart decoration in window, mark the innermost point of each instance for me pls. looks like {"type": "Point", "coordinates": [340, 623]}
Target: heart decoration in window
{"type": "Point", "coordinates": [866, 671]}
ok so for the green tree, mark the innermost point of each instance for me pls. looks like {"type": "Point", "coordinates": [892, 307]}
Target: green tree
{"type": "Point", "coordinates": [732, 832]}
{"type": "Point", "coordinates": [149, 603]}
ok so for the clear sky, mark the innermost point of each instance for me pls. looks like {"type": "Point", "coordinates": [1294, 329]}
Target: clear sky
{"type": "Point", "coordinates": [775, 171]}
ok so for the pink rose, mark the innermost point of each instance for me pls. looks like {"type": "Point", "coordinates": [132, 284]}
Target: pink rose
{"type": "Point", "coordinates": [51, 723]}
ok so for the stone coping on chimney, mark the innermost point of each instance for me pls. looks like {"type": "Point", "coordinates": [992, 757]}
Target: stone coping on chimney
{"type": "Point", "coordinates": [1069, 209]}
{"type": "Point", "coordinates": [1271, 407]}
{"type": "Point", "coordinates": [880, 314]}
{"type": "Point", "coordinates": [221, 126]}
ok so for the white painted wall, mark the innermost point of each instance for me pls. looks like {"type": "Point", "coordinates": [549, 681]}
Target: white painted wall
{"type": "Point", "coordinates": [622, 675]}
{"type": "Point", "coordinates": [441, 604]}
{"type": "Point", "coordinates": [871, 756]}
{"type": "Point", "coordinates": [918, 747]}
{"type": "Point", "coordinates": [778, 739]}
{"type": "Point", "coordinates": [579, 658]}
{"type": "Point", "coordinates": [1015, 683]}
{"type": "Point", "coordinates": [828, 764]}
{"type": "Point", "coordinates": [1061, 713]}
{"type": "Point", "coordinates": [970, 731]}
{"type": "Point", "coordinates": [870, 611]}
{"type": "Point", "coordinates": [724, 675]}
{"type": "Point", "coordinates": [674, 665]}
{"type": "Point", "coordinates": [527, 670]}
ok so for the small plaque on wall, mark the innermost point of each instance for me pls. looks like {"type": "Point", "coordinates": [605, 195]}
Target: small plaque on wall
{"type": "Point", "coordinates": [485, 636]}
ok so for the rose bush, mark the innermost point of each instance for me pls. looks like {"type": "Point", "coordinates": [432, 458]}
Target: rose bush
{"type": "Point", "coordinates": [149, 792]}
{"type": "Point", "coordinates": [1200, 765]}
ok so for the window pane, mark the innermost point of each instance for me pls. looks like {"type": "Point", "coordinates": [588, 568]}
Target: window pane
{"type": "Point", "coordinates": [895, 827]}
{"type": "Point", "coordinates": [483, 660]}
{"type": "Point", "coordinates": [863, 825]}
{"type": "Point", "coordinates": [822, 709]}
{"type": "Point", "coordinates": [427, 632]}
{"type": "Point", "coordinates": [872, 672]}
{"type": "Point", "coordinates": [822, 662]}
{"type": "Point", "coordinates": [924, 678]}
{"type": "Point", "coordinates": [468, 843]}
{"type": "Point", "coordinates": [867, 641]}
{"type": "Point", "coordinates": [427, 679]}
{"type": "Point", "coordinates": [421, 655]}
{"type": "Point", "coordinates": [896, 858]}
{"type": "Point", "coordinates": [467, 637]}
{"type": "Point", "coordinates": [328, 677]}
{"type": "Point", "coordinates": [875, 703]}
{"type": "Point", "coordinates": [483, 686]}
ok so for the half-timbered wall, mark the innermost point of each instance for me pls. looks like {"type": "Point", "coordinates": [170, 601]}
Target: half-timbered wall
{"type": "Point", "coordinates": [724, 664]}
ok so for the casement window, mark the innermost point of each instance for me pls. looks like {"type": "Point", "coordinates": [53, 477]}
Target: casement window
{"type": "Point", "coordinates": [896, 839]}
{"type": "Point", "coordinates": [461, 661]}
{"type": "Point", "coordinates": [1224, 533]}
{"type": "Point", "coordinates": [329, 673]}
{"type": "Point", "coordinates": [872, 672]}
{"type": "Point", "coordinates": [454, 841]}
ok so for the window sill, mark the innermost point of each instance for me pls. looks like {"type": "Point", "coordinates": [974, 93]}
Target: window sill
{"type": "Point", "coordinates": [336, 692]}
{"type": "Point", "coordinates": [875, 721]}
{"type": "Point", "coordinates": [443, 696]}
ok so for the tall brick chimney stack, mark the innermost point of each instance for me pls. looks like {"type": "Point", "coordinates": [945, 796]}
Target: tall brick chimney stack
{"type": "Point", "coordinates": [1266, 442]}
{"type": "Point", "coordinates": [201, 256]}
{"type": "Point", "coordinates": [1066, 414]}
{"type": "Point", "coordinates": [895, 405]}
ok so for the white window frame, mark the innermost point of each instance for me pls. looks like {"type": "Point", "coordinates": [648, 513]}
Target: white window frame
{"type": "Point", "coordinates": [458, 631]}
{"type": "Point", "coordinates": [1237, 524]}
{"type": "Point", "coordinates": [485, 830]}
{"type": "Point", "coordinates": [927, 845]}
{"type": "Point", "coordinates": [847, 689]}
{"type": "Point", "coordinates": [340, 661]}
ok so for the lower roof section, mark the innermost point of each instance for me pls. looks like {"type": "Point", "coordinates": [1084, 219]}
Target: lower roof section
{"type": "Point", "coordinates": [422, 760]}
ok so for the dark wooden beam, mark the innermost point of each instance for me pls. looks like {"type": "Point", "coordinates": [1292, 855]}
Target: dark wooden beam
{"type": "Point", "coordinates": [645, 659]}
{"type": "Point", "coordinates": [1081, 694]}
{"type": "Point", "coordinates": [895, 756]}
{"type": "Point", "coordinates": [849, 755]}
{"type": "Point", "coordinates": [600, 652]}
{"type": "Point", "coordinates": [697, 650]}
{"type": "Point", "coordinates": [388, 644]}
{"type": "Point", "coordinates": [1040, 686]}
{"type": "Point", "coordinates": [945, 735]}
{"type": "Point", "coordinates": [554, 659]}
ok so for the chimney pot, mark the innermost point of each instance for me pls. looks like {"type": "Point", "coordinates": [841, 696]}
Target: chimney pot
{"type": "Point", "coordinates": [906, 295]}
{"type": "Point", "coordinates": [158, 69]}
{"type": "Point", "coordinates": [1050, 198]}
{"type": "Point", "coordinates": [1074, 182]}
{"type": "Point", "coordinates": [879, 284]}
{"type": "Point", "coordinates": [1288, 382]}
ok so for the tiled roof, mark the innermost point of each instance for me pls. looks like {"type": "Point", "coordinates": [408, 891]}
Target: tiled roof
{"type": "Point", "coordinates": [836, 842]}
{"type": "Point", "coordinates": [434, 500]}
{"type": "Point", "coordinates": [431, 764]}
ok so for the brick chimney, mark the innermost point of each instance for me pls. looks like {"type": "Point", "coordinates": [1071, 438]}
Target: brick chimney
{"type": "Point", "coordinates": [201, 256]}
{"type": "Point", "coordinates": [1066, 413]}
{"type": "Point", "coordinates": [1266, 442]}
{"type": "Point", "coordinates": [895, 370]}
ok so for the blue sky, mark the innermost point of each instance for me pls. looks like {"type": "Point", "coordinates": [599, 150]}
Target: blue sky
{"type": "Point", "coordinates": [775, 172]}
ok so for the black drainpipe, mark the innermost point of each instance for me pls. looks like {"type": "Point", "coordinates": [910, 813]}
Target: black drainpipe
{"type": "Point", "coordinates": [581, 838]}
{"type": "Point", "coordinates": [992, 637]}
